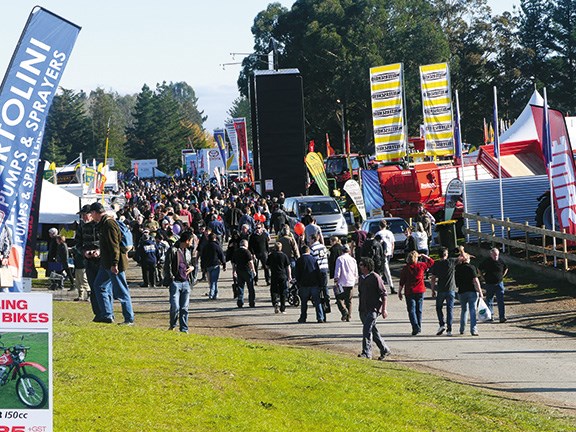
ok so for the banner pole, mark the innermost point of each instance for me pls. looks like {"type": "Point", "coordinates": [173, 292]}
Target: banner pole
{"type": "Point", "coordinates": [497, 151]}
{"type": "Point", "coordinates": [546, 140]}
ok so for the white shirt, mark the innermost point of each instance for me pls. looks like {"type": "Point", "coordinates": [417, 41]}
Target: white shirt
{"type": "Point", "coordinates": [346, 272]}
{"type": "Point", "coordinates": [388, 238]}
{"type": "Point", "coordinates": [421, 240]}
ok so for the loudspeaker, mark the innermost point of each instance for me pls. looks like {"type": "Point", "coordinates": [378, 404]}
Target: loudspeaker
{"type": "Point", "coordinates": [278, 131]}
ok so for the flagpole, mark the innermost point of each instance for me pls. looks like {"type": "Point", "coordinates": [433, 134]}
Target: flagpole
{"type": "Point", "coordinates": [547, 147]}
{"type": "Point", "coordinates": [497, 152]}
{"type": "Point", "coordinates": [106, 153]}
{"type": "Point", "coordinates": [462, 165]}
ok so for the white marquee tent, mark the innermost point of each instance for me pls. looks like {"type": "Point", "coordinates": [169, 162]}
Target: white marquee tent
{"type": "Point", "coordinates": [524, 128]}
{"type": "Point", "coordinates": [57, 206]}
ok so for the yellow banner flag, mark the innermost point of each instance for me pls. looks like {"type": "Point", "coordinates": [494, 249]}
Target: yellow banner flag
{"type": "Point", "coordinates": [315, 165]}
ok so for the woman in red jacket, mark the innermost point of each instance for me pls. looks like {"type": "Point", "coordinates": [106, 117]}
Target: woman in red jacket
{"type": "Point", "coordinates": [412, 281]}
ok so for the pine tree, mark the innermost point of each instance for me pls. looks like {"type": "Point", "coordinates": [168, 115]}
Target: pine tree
{"type": "Point", "coordinates": [68, 130]}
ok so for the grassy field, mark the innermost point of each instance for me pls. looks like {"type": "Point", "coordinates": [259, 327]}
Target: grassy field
{"type": "Point", "coordinates": [143, 379]}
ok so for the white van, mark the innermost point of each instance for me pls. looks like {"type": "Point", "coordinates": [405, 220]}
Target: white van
{"type": "Point", "coordinates": [325, 210]}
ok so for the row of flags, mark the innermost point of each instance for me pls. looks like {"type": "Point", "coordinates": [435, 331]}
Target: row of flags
{"type": "Point", "coordinates": [489, 130]}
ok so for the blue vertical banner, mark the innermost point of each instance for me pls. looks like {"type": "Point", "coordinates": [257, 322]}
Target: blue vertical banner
{"type": "Point", "coordinates": [496, 127]}
{"type": "Point", "coordinates": [220, 138]}
{"type": "Point", "coordinates": [26, 94]}
{"type": "Point", "coordinates": [371, 190]}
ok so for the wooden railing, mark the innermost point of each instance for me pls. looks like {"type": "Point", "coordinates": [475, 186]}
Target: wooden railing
{"type": "Point", "coordinates": [495, 237]}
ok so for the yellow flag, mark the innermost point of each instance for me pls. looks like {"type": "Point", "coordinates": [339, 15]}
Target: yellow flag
{"type": "Point", "coordinates": [229, 161]}
{"type": "Point", "coordinates": [52, 166]}
{"type": "Point", "coordinates": [315, 165]}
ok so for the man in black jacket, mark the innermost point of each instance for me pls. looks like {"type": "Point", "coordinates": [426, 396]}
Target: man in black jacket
{"type": "Point", "coordinates": [212, 259]}
{"type": "Point", "coordinates": [88, 243]}
{"type": "Point", "coordinates": [307, 274]}
{"type": "Point", "coordinates": [372, 302]}
{"type": "Point", "coordinates": [244, 268]}
{"type": "Point", "coordinates": [258, 245]}
{"type": "Point", "coordinates": [177, 270]}
{"type": "Point", "coordinates": [280, 273]}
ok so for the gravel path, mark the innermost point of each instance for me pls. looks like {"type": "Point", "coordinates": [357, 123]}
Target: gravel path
{"type": "Point", "coordinates": [510, 358]}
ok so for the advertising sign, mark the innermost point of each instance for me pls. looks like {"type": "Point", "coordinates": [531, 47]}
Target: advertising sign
{"type": "Point", "coordinates": [26, 322]}
{"type": "Point", "coordinates": [145, 167]}
{"type": "Point", "coordinates": [562, 168]}
{"type": "Point", "coordinates": [454, 194]}
{"type": "Point", "coordinates": [437, 108]}
{"type": "Point", "coordinates": [233, 144]}
{"type": "Point", "coordinates": [208, 160]}
{"type": "Point", "coordinates": [353, 189]}
{"type": "Point", "coordinates": [26, 94]}
{"type": "Point", "coordinates": [387, 93]}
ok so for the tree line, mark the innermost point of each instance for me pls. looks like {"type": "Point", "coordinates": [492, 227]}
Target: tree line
{"type": "Point", "coordinates": [153, 124]}
{"type": "Point", "coordinates": [334, 43]}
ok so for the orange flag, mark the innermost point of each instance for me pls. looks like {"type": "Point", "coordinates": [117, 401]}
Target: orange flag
{"type": "Point", "coordinates": [329, 150]}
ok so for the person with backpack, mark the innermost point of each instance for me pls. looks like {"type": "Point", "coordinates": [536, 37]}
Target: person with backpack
{"type": "Point", "coordinates": [110, 282]}
{"type": "Point", "coordinates": [372, 249]}
{"type": "Point", "coordinates": [178, 269]}
{"type": "Point", "coordinates": [126, 237]}
{"type": "Point", "coordinates": [147, 255]}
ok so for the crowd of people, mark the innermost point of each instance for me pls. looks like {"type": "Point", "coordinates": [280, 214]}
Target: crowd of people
{"type": "Point", "coordinates": [182, 232]}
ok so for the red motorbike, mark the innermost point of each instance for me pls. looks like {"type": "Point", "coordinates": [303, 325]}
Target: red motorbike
{"type": "Point", "coordinates": [30, 389]}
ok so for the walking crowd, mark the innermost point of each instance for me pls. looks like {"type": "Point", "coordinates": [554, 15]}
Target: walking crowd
{"type": "Point", "coordinates": [180, 232]}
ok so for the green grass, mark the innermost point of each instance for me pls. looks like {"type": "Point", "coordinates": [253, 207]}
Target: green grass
{"type": "Point", "coordinates": [144, 379]}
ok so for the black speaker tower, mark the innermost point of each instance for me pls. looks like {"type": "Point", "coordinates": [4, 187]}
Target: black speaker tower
{"type": "Point", "coordinates": [278, 132]}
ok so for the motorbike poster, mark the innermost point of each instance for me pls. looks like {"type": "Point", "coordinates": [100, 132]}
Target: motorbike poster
{"type": "Point", "coordinates": [26, 362]}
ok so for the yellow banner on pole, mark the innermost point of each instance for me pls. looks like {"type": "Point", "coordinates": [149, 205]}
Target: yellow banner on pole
{"type": "Point", "coordinates": [315, 165]}
{"type": "Point", "coordinates": [387, 94]}
{"type": "Point", "coordinates": [437, 107]}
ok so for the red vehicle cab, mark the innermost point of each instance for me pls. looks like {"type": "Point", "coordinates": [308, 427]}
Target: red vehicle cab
{"type": "Point", "coordinates": [337, 167]}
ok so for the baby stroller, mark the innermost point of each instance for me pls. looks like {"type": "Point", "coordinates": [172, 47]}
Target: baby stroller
{"type": "Point", "coordinates": [293, 298]}
{"type": "Point", "coordinates": [57, 280]}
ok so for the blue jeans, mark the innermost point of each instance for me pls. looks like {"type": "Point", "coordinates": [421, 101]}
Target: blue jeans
{"type": "Point", "coordinates": [111, 286]}
{"type": "Point", "coordinates": [245, 278]}
{"type": "Point", "coordinates": [213, 275]}
{"type": "Point", "coordinates": [179, 301]}
{"type": "Point", "coordinates": [468, 303]}
{"type": "Point", "coordinates": [498, 290]}
{"type": "Point", "coordinates": [447, 296]}
{"type": "Point", "coordinates": [414, 307]}
{"type": "Point", "coordinates": [307, 293]}
{"type": "Point", "coordinates": [92, 267]}
{"type": "Point", "coordinates": [369, 333]}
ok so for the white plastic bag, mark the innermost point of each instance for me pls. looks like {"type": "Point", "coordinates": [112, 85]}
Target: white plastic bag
{"type": "Point", "coordinates": [484, 313]}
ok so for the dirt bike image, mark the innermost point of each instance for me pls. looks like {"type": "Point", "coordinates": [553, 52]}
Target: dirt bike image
{"type": "Point", "coordinates": [30, 389]}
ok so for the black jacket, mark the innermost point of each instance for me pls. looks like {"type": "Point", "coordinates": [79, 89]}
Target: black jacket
{"type": "Point", "coordinates": [171, 265]}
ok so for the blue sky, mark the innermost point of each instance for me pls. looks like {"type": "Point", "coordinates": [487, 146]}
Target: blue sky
{"type": "Point", "coordinates": [125, 44]}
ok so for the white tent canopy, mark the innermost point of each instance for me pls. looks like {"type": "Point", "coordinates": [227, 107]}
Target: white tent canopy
{"type": "Point", "coordinates": [524, 128]}
{"type": "Point", "coordinates": [57, 206]}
